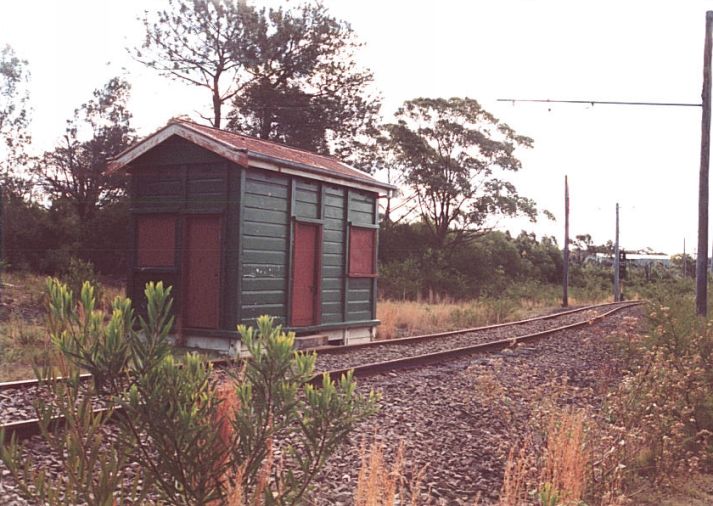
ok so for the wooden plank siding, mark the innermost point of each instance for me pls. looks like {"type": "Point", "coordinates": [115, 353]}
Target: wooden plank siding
{"type": "Point", "coordinates": [264, 247]}
{"type": "Point", "coordinates": [178, 178]}
{"type": "Point", "coordinates": [258, 210]}
{"type": "Point", "coordinates": [333, 251]}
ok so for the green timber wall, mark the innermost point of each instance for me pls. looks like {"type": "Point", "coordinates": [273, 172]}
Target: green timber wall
{"type": "Point", "coordinates": [272, 202]}
{"type": "Point", "coordinates": [180, 178]}
{"type": "Point", "coordinates": [259, 208]}
{"type": "Point", "coordinates": [265, 244]}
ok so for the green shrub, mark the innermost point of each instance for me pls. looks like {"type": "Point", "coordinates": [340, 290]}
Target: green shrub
{"type": "Point", "coordinates": [79, 271]}
{"type": "Point", "coordinates": [664, 406]}
{"type": "Point", "coordinates": [173, 415]}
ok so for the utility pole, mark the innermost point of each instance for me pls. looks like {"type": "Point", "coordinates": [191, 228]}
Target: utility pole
{"type": "Point", "coordinates": [2, 229]}
{"type": "Point", "coordinates": [617, 288]}
{"type": "Point", "coordinates": [684, 270]}
{"type": "Point", "coordinates": [702, 258]}
{"type": "Point", "coordinates": [565, 263]}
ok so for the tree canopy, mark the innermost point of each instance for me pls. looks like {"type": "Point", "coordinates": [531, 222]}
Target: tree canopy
{"type": "Point", "coordinates": [14, 118]}
{"type": "Point", "coordinates": [306, 88]}
{"type": "Point", "coordinates": [200, 42]}
{"type": "Point", "coordinates": [288, 74]}
{"type": "Point", "coordinates": [454, 156]}
{"type": "Point", "coordinates": [75, 171]}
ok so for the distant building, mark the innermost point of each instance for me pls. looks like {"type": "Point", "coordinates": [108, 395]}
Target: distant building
{"type": "Point", "coordinates": [632, 259]}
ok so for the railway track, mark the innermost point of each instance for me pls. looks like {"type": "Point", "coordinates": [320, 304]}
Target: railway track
{"type": "Point", "coordinates": [391, 355]}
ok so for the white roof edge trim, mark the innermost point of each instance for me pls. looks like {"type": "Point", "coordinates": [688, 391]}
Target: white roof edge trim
{"type": "Point", "coordinates": [150, 142]}
{"type": "Point", "coordinates": [237, 155]}
{"type": "Point", "coordinates": [257, 164]}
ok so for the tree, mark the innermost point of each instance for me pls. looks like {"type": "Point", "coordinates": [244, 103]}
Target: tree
{"type": "Point", "coordinates": [306, 88]}
{"type": "Point", "coordinates": [199, 42]}
{"type": "Point", "coordinates": [454, 154]}
{"type": "Point", "coordinates": [75, 171]}
{"type": "Point", "coordinates": [14, 118]}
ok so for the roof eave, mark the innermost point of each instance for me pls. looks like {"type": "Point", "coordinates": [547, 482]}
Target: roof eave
{"type": "Point", "coordinates": [241, 156]}
{"type": "Point", "coordinates": [381, 187]}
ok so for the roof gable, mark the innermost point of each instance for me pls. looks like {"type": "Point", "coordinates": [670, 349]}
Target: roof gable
{"type": "Point", "coordinates": [252, 152]}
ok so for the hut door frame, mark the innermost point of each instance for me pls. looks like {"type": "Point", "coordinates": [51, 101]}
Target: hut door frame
{"type": "Point", "coordinates": [187, 218]}
{"type": "Point", "coordinates": [316, 296]}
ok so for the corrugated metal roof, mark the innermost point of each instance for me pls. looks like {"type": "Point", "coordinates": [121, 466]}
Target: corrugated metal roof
{"type": "Point", "coordinates": [281, 151]}
{"type": "Point", "coordinates": [246, 150]}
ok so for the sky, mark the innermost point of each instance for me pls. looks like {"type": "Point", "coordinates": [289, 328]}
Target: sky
{"type": "Point", "coordinates": [645, 158]}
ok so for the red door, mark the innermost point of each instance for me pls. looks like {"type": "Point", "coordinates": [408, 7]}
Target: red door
{"type": "Point", "coordinates": [201, 300]}
{"type": "Point", "coordinates": [305, 277]}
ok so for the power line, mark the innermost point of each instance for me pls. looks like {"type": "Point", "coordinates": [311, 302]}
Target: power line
{"type": "Point", "coordinates": [600, 102]}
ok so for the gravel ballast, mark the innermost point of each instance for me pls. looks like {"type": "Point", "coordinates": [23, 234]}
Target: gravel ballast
{"type": "Point", "coordinates": [458, 420]}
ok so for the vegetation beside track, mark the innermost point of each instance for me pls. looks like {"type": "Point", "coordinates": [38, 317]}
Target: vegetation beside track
{"type": "Point", "coordinates": [181, 436]}
{"type": "Point", "coordinates": [23, 339]}
{"type": "Point", "coordinates": [651, 436]}
{"type": "Point", "coordinates": [649, 442]}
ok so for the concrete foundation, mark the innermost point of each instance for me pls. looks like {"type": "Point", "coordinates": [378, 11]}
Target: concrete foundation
{"type": "Point", "coordinates": [351, 336]}
{"type": "Point", "coordinates": [219, 344]}
{"type": "Point", "coordinates": [233, 347]}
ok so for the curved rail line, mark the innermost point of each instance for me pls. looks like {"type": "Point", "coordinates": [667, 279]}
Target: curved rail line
{"type": "Point", "coordinates": [439, 356]}
{"type": "Point", "coordinates": [26, 428]}
{"type": "Point", "coordinates": [334, 349]}
{"type": "Point", "coordinates": [414, 339]}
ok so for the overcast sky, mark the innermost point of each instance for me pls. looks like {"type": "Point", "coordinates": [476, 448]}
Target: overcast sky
{"type": "Point", "coordinates": [646, 158]}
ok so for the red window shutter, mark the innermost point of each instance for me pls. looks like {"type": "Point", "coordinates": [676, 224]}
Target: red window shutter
{"type": "Point", "coordinates": [362, 243]}
{"type": "Point", "coordinates": [156, 241]}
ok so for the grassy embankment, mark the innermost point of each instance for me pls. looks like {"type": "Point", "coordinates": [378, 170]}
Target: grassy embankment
{"type": "Point", "coordinates": [407, 318]}
{"type": "Point", "coordinates": [23, 340]}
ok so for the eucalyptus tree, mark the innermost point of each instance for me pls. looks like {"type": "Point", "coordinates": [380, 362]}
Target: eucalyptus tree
{"type": "Point", "coordinates": [288, 74]}
{"type": "Point", "coordinates": [455, 157]}
{"type": "Point", "coordinates": [306, 86]}
{"type": "Point", "coordinates": [74, 172]}
{"type": "Point", "coordinates": [199, 42]}
{"type": "Point", "coordinates": [14, 119]}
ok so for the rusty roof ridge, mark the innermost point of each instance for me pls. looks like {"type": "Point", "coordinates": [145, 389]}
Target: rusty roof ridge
{"type": "Point", "coordinates": [367, 179]}
{"type": "Point", "coordinates": [220, 141]}
{"type": "Point", "coordinates": [276, 143]}
{"type": "Point", "coordinates": [358, 176]}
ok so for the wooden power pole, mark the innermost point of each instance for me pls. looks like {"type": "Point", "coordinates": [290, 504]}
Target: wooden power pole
{"type": "Point", "coordinates": [565, 263]}
{"type": "Point", "coordinates": [617, 288]}
{"type": "Point", "coordinates": [702, 257]}
{"type": "Point", "coordinates": [683, 268]}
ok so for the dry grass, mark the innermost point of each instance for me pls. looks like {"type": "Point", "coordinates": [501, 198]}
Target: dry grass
{"type": "Point", "coordinates": [559, 473]}
{"type": "Point", "coordinates": [515, 482]}
{"type": "Point", "coordinates": [381, 485]}
{"type": "Point", "coordinates": [565, 461]}
{"type": "Point", "coordinates": [408, 318]}
{"type": "Point", "coordinates": [22, 330]}
{"type": "Point", "coordinates": [23, 335]}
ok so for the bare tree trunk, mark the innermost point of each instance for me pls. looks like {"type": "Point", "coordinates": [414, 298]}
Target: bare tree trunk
{"type": "Point", "coordinates": [217, 103]}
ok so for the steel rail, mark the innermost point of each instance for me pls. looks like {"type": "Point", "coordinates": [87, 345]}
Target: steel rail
{"type": "Point", "coordinates": [336, 349]}
{"type": "Point", "coordinates": [25, 429]}
{"type": "Point", "coordinates": [374, 368]}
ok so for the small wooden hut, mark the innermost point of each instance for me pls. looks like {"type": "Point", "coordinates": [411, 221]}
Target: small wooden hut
{"type": "Point", "coordinates": [242, 227]}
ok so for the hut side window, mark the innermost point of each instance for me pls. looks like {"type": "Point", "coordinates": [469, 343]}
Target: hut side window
{"type": "Point", "coordinates": [362, 244]}
{"type": "Point", "coordinates": [156, 241]}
